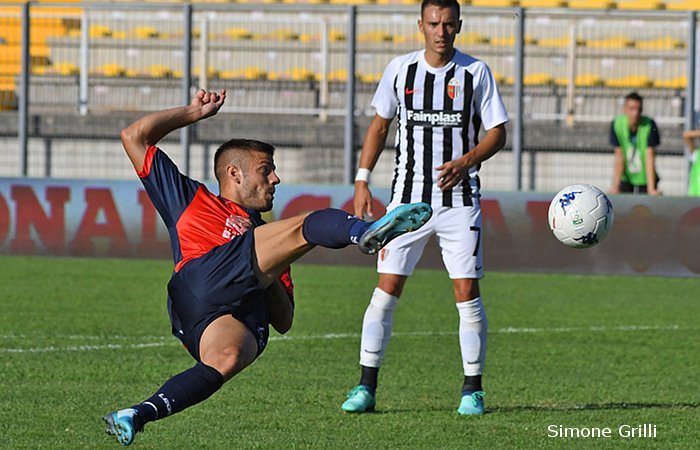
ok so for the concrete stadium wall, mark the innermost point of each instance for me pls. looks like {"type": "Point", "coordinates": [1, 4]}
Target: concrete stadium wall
{"type": "Point", "coordinates": [654, 236]}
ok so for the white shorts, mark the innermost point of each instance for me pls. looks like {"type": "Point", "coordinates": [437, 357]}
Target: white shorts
{"type": "Point", "coordinates": [458, 231]}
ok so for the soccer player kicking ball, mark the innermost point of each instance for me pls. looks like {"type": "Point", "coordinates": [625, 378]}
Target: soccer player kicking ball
{"type": "Point", "coordinates": [441, 97]}
{"type": "Point", "coordinates": [232, 271]}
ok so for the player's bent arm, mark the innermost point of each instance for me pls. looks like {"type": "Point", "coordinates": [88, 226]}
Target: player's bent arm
{"type": "Point", "coordinates": [618, 168]}
{"type": "Point", "coordinates": [375, 140]}
{"type": "Point", "coordinates": [651, 171]}
{"type": "Point", "coordinates": [452, 172]}
{"type": "Point", "coordinates": [151, 128]}
{"type": "Point", "coordinates": [279, 307]}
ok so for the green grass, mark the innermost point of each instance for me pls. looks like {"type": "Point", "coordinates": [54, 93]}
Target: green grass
{"type": "Point", "coordinates": [569, 358]}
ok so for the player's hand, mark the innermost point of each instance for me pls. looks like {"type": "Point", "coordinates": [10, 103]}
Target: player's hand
{"type": "Point", "coordinates": [208, 103]}
{"type": "Point", "coordinates": [614, 190]}
{"type": "Point", "coordinates": [451, 173]}
{"type": "Point", "coordinates": [654, 192]}
{"type": "Point", "coordinates": [362, 202]}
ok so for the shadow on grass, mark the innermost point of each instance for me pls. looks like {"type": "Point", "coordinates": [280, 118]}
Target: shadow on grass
{"type": "Point", "coordinates": [592, 407]}
{"type": "Point", "coordinates": [551, 408]}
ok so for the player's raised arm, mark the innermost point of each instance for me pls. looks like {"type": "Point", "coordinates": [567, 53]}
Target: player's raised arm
{"type": "Point", "coordinates": [151, 128]}
{"type": "Point", "coordinates": [375, 140]}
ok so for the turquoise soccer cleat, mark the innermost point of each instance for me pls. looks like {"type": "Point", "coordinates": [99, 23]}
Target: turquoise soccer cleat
{"type": "Point", "coordinates": [360, 399]}
{"type": "Point", "coordinates": [398, 221]}
{"type": "Point", "coordinates": [472, 404]}
{"type": "Point", "coordinates": [124, 424]}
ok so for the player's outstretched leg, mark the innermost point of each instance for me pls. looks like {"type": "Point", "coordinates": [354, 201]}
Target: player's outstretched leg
{"type": "Point", "coordinates": [396, 222]}
{"type": "Point", "coordinates": [280, 243]}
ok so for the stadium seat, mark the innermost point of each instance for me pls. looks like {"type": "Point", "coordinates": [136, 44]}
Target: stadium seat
{"type": "Point", "coordinates": [611, 42]}
{"type": "Point", "coordinates": [683, 5]}
{"type": "Point", "coordinates": [375, 37]}
{"type": "Point", "coordinates": [561, 42]}
{"type": "Point", "coordinates": [98, 31]}
{"type": "Point", "coordinates": [110, 70]}
{"type": "Point", "coordinates": [299, 74]}
{"type": "Point", "coordinates": [630, 81]}
{"type": "Point", "coordinates": [592, 4]}
{"type": "Point", "coordinates": [510, 41]}
{"type": "Point", "coordinates": [674, 83]}
{"type": "Point", "coordinates": [159, 71]}
{"type": "Point", "coordinates": [283, 34]}
{"type": "Point", "coordinates": [65, 69]}
{"type": "Point", "coordinates": [238, 33]}
{"type": "Point", "coordinates": [495, 3]}
{"type": "Point", "coordinates": [146, 32]}
{"type": "Point", "coordinates": [582, 80]}
{"type": "Point", "coordinates": [640, 4]}
{"type": "Point", "coordinates": [544, 3]}
{"type": "Point", "coordinates": [247, 73]}
{"type": "Point", "coordinates": [537, 79]}
{"type": "Point", "coordinates": [468, 38]}
{"type": "Point", "coordinates": [661, 43]}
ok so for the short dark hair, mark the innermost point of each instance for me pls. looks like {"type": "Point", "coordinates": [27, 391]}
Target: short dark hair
{"type": "Point", "coordinates": [238, 145]}
{"type": "Point", "coordinates": [634, 96]}
{"type": "Point", "coordinates": [441, 3]}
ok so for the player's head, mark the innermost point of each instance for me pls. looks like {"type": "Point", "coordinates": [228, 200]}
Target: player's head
{"type": "Point", "coordinates": [245, 170]}
{"type": "Point", "coordinates": [633, 108]}
{"type": "Point", "coordinates": [440, 23]}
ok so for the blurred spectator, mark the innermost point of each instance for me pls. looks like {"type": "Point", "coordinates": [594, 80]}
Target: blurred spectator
{"type": "Point", "coordinates": [694, 176]}
{"type": "Point", "coordinates": [635, 138]}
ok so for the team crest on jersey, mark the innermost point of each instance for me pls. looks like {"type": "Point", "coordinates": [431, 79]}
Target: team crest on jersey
{"type": "Point", "coordinates": [454, 88]}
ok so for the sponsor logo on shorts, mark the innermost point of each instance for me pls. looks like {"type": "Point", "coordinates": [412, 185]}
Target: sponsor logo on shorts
{"type": "Point", "coordinates": [433, 118]}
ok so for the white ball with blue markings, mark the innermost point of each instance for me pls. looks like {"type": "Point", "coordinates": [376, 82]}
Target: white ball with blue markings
{"type": "Point", "coordinates": [580, 215]}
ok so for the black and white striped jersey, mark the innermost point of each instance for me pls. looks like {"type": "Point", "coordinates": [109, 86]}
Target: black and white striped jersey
{"type": "Point", "coordinates": [440, 111]}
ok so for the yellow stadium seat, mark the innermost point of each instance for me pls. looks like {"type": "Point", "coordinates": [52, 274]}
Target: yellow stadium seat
{"type": "Point", "coordinates": [582, 80]}
{"type": "Point", "coordinates": [283, 34]}
{"type": "Point", "coordinates": [212, 72]}
{"type": "Point", "coordinates": [560, 42]}
{"type": "Point", "coordinates": [662, 43]}
{"type": "Point", "coordinates": [537, 79]}
{"type": "Point", "coordinates": [640, 4]}
{"type": "Point", "coordinates": [238, 33]}
{"type": "Point", "coordinates": [146, 32]}
{"type": "Point", "coordinates": [336, 36]}
{"type": "Point", "coordinates": [469, 38]}
{"type": "Point", "coordinates": [96, 31]}
{"type": "Point", "coordinates": [611, 42]}
{"type": "Point", "coordinates": [376, 36]}
{"type": "Point", "coordinates": [499, 78]}
{"type": "Point", "coordinates": [674, 83]}
{"type": "Point", "coordinates": [110, 70]}
{"type": "Point", "coordinates": [544, 3]}
{"type": "Point", "coordinates": [338, 75]}
{"type": "Point", "coordinates": [592, 4]}
{"type": "Point", "coordinates": [247, 73]}
{"type": "Point", "coordinates": [159, 71]}
{"type": "Point", "coordinates": [370, 78]}
{"type": "Point", "coordinates": [65, 69]}
{"type": "Point", "coordinates": [495, 3]}
{"type": "Point", "coordinates": [10, 69]}
{"type": "Point", "coordinates": [630, 81]}
{"type": "Point", "coordinates": [510, 41]}
{"type": "Point", "coordinates": [683, 5]}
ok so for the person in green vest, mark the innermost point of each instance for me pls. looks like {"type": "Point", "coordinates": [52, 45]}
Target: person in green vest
{"type": "Point", "coordinates": [634, 138]}
{"type": "Point", "coordinates": [694, 176]}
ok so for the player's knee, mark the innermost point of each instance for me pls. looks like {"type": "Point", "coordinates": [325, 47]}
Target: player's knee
{"type": "Point", "coordinates": [466, 289]}
{"type": "Point", "coordinates": [228, 361]}
{"type": "Point", "coordinates": [392, 285]}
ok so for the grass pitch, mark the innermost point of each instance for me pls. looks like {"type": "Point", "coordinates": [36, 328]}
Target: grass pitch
{"type": "Point", "coordinates": [80, 337]}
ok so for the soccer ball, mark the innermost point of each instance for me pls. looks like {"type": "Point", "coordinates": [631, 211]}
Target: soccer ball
{"type": "Point", "coordinates": [580, 215]}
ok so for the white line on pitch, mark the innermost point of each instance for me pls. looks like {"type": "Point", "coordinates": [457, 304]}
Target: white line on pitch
{"type": "Point", "coordinates": [163, 341]}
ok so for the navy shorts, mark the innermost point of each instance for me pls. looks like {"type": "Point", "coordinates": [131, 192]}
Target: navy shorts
{"type": "Point", "coordinates": [218, 283]}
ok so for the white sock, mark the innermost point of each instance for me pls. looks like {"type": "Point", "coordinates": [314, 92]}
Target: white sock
{"type": "Point", "coordinates": [473, 328]}
{"type": "Point", "coordinates": [376, 328]}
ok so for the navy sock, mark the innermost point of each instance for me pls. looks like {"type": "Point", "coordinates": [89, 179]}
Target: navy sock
{"type": "Point", "coordinates": [333, 228]}
{"type": "Point", "coordinates": [471, 384]}
{"type": "Point", "coordinates": [369, 377]}
{"type": "Point", "coordinates": [181, 391]}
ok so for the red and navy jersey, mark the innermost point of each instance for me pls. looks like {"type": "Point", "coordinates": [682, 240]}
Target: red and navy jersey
{"type": "Point", "coordinates": [198, 221]}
